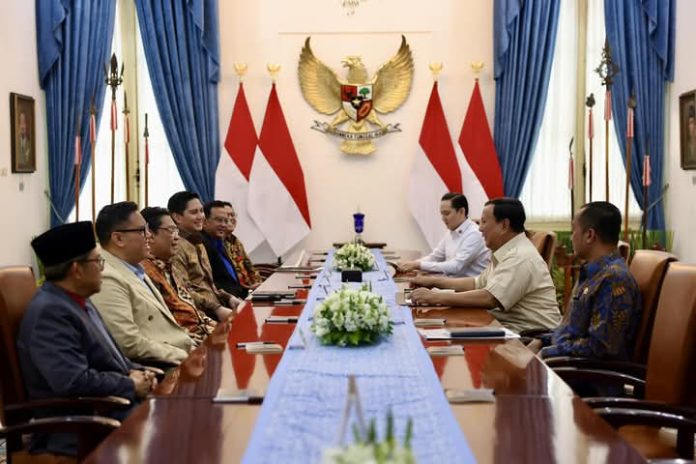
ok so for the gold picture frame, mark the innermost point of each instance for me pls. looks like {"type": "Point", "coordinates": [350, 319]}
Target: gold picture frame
{"type": "Point", "coordinates": [687, 129]}
{"type": "Point", "coordinates": [23, 130]}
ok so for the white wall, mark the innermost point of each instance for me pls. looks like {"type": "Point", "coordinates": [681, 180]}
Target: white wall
{"type": "Point", "coordinates": [24, 206]}
{"type": "Point", "coordinates": [680, 204]}
{"type": "Point", "coordinates": [455, 32]}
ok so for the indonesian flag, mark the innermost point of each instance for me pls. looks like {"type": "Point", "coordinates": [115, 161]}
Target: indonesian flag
{"type": "Point", "coordinates": [483, 178]}
{"type": "Point", "coordinates": [277, 195]}
{"type": "Point", "coordinates": [232, 176]}
{"type": "Point", "coordinates": [435, 171]}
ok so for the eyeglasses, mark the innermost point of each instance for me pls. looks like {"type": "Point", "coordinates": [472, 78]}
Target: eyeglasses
{"type": "Point", "coordinates": [141, 230]}
{"type": "Point", "coordinates": [100, 261]}
{"type": "Point", "coordinates": [173, 230]}
{"type": "Point", "coordinates": [220, 220]}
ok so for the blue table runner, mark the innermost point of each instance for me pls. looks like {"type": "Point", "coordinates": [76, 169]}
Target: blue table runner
{"type": "Point", "coordinates": [303, 407]}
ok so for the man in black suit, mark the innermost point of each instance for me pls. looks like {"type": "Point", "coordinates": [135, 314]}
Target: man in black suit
{"type": "Point", "coordinates": [214, 234]}
{"type": "Point", "coordinates": [63, 346]}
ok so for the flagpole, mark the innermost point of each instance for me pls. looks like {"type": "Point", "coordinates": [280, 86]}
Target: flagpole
{"type": "Point", "coordinates": [93, 143]}
{"type": "Point", "coordinates": [126, 142]}
{"type": "Point", "coordinates": [113, 80]}
{"type": "Point", "coordinates": [146, 135]}
{"type": "Point", "coordinates": [590, 102]}
{"type": "Point", "coordinates": [571, 178]}
{"type": "Point", "coordinates": [646, 183]}
{"type": "Point", "coordinates": [607, 69]}
{"type": "Point", "coordinates": [78, 165]}
{"type": "Point", "coordinates": [629, 148]}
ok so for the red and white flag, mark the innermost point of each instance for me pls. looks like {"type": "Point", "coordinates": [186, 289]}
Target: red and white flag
{"type": "Point", "coordinates": [481, 173]}
{"type": "Point", "coordinates": [277, 195]}
{"type": "Point", "coordinates": [435, 171]}
{"type": "Point", "coordinates": [232, 176]}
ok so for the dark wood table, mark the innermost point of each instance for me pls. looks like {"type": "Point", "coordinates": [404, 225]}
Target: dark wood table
{"type": "Point", "coordinates": [535, 417]}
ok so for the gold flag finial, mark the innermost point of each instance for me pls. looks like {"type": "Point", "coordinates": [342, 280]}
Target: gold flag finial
{"type": "Point", "coordinates": [477, 67]}
{"type": "Point", "coordinates": [273, 70]}
{"type": "Point", "coordinates": [435, 69]}
{"type": "Point", "coordinates": [240, 69]}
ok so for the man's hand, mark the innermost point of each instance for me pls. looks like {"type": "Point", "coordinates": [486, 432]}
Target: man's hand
{"type": "Point", "coordinates": [424, 281]}
{"type": "Point", "coordinates": [234, 301]}
{"type": "Point", "coordinates": [143, 381]}
{"type": "Point", "coordinates": [535, 346]}
{"type": "Point", "coordinates": [223, 314]}
{"type": "Point", "coordinates": [423, 296]}
{"type": "Point", "coordinates": [408, 266]}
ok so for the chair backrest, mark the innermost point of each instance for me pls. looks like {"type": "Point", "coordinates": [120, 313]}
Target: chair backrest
{"type": "Point", "coordinates": [648, 267]}
{"type": "Point", "coordinates": [624, 250]}
{"type": "Point", "coordinates": [671, 368]}
{"type": "Point", "coordinates": [17, 287]}
{"type": "Point", "coordinates": [545, 242]}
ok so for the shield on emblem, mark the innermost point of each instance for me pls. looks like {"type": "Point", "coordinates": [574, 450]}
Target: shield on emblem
{"type": "Point", "coordinates": [357, 100]}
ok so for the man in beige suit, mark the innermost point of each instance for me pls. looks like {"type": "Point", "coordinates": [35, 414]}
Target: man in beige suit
{"type": "Point", "coordinates": [131, 306]}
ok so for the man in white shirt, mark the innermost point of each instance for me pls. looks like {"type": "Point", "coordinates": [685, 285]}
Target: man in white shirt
{"type": "Point", "coordinates": [462, 251]}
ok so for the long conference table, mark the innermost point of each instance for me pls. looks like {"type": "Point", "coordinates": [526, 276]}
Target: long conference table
{"type": "Point", "coordinates": [534, 418]}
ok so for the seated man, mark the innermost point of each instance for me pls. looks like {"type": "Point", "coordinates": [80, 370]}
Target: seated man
{"type": "Point", "coordinates": [461, 252]}
{"type": "Point", "coordinates": [249, 277]}
{"type": "Point", "coordinates": [64, 349]}
{"type": "Point", "coordinates": [215, 230]}
{"type": "Point", "coordinates": [131, 305]}
{"type": "Point", "coordinates": [158, 266]}
{"type": "Point", "coordinates": [516, 286]}
{"type": "Point", "coordinates": [191, 264]}
{"type": "Point", "coordinates": [605, 308]}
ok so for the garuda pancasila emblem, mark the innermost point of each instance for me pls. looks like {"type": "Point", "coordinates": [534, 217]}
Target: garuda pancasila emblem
{"type": "Point", "coordinates": [357, 99]}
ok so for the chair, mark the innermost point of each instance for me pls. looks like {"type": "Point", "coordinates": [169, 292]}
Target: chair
{"type": "Point", "coordinates": [545, 242]}
{"type": "Point", "coordinates": [17, 287]}
{"type": "Point", "coordinates": [624, 250]}
{"type": "Point", "coordinates": [648, 267]}
{"type": "Point", "coordinates": [668, 389]}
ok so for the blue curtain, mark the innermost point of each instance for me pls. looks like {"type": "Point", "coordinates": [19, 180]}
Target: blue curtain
{"type": "Point", "coordinates": [641, 37]}
{"type": "Point", "coordinates": [73, 43]}
{"type": "Point", "coordinates": [181, 43]}
{"type": "Point", "coordinates": [524, 41]}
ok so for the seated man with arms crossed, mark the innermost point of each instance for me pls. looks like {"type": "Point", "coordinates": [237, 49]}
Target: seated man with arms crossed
{"type": "Point", "coordinates": [605, 308]}
{"type": "Point", "coordinates": [462, 251]}
{"type": "Point", "coordinates": [516, 286]}
{"type": "Point", "coordinates": [215, 230]}
{"type": "Point", "coordinates": [191, 263]}
{"type": "Point", "coordinates": [64, 349]}
{"type": "Point", "coordinates": [131, 305]}
{"type": "Point", "coordinates": [158, 266]}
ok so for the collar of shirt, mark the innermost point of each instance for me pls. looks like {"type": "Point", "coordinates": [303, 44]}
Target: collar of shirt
{"type": "Point", "coordinates": [502, 252]}
{"type": "Point", "coordinates": [137, 270]}
{"type": "Point", "coordinates": [82, 302]}
{"type": "Point", "coordinates": [456, 233]}
{"type": "Point", "coordinates": [589, 270]}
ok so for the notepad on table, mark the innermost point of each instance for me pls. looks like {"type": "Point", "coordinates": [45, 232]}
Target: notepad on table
{"type": "Point", "coordinates": [425, 322]}
{"type": "Point", "coordinates": [470, 395]}
{"type": "Point", "coordinates": [468, 333]}
{"type": "Point", "coordinates": [449, 350]}
{"type": "Point", "coordinates": [245, 396]}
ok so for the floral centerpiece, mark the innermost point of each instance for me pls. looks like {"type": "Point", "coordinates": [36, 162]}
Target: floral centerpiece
{"type": "Point", "coordinates": [366, 449]}
{"type": "Point", "coordinates": [351, 317]}
{"type": "Point", "coordinates": [354, 255]}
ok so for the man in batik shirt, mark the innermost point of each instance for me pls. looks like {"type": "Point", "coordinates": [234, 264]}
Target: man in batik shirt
{"type": "Point", "coordinates": [249, 277]}
{"type": "Point", "coordinates": [605, 309]}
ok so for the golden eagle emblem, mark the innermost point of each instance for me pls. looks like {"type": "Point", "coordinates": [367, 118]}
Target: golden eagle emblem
{"type": "Point", "coordinates": [357, 99]}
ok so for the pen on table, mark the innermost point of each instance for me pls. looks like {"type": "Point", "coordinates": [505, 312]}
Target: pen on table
{"type": "Point", "coordinates": [298, 287]}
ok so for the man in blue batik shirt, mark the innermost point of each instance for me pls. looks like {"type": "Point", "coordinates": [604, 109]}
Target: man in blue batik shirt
{"type": "Point", "coordinates": [605, 309]}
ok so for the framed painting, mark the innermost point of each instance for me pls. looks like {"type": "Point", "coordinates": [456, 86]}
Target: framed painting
{"type": "Point", "coordinates": [687, 129]}
{"type": "Point", "coordinates": [23, 130]}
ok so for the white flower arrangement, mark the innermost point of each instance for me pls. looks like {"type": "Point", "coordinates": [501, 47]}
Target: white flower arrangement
{"type": "Point", "coordinates": [354, 255]}
{"type": "Point", "coordinates": [367, 450]}
{"type": "Point", "coordinates": [351, 317]}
